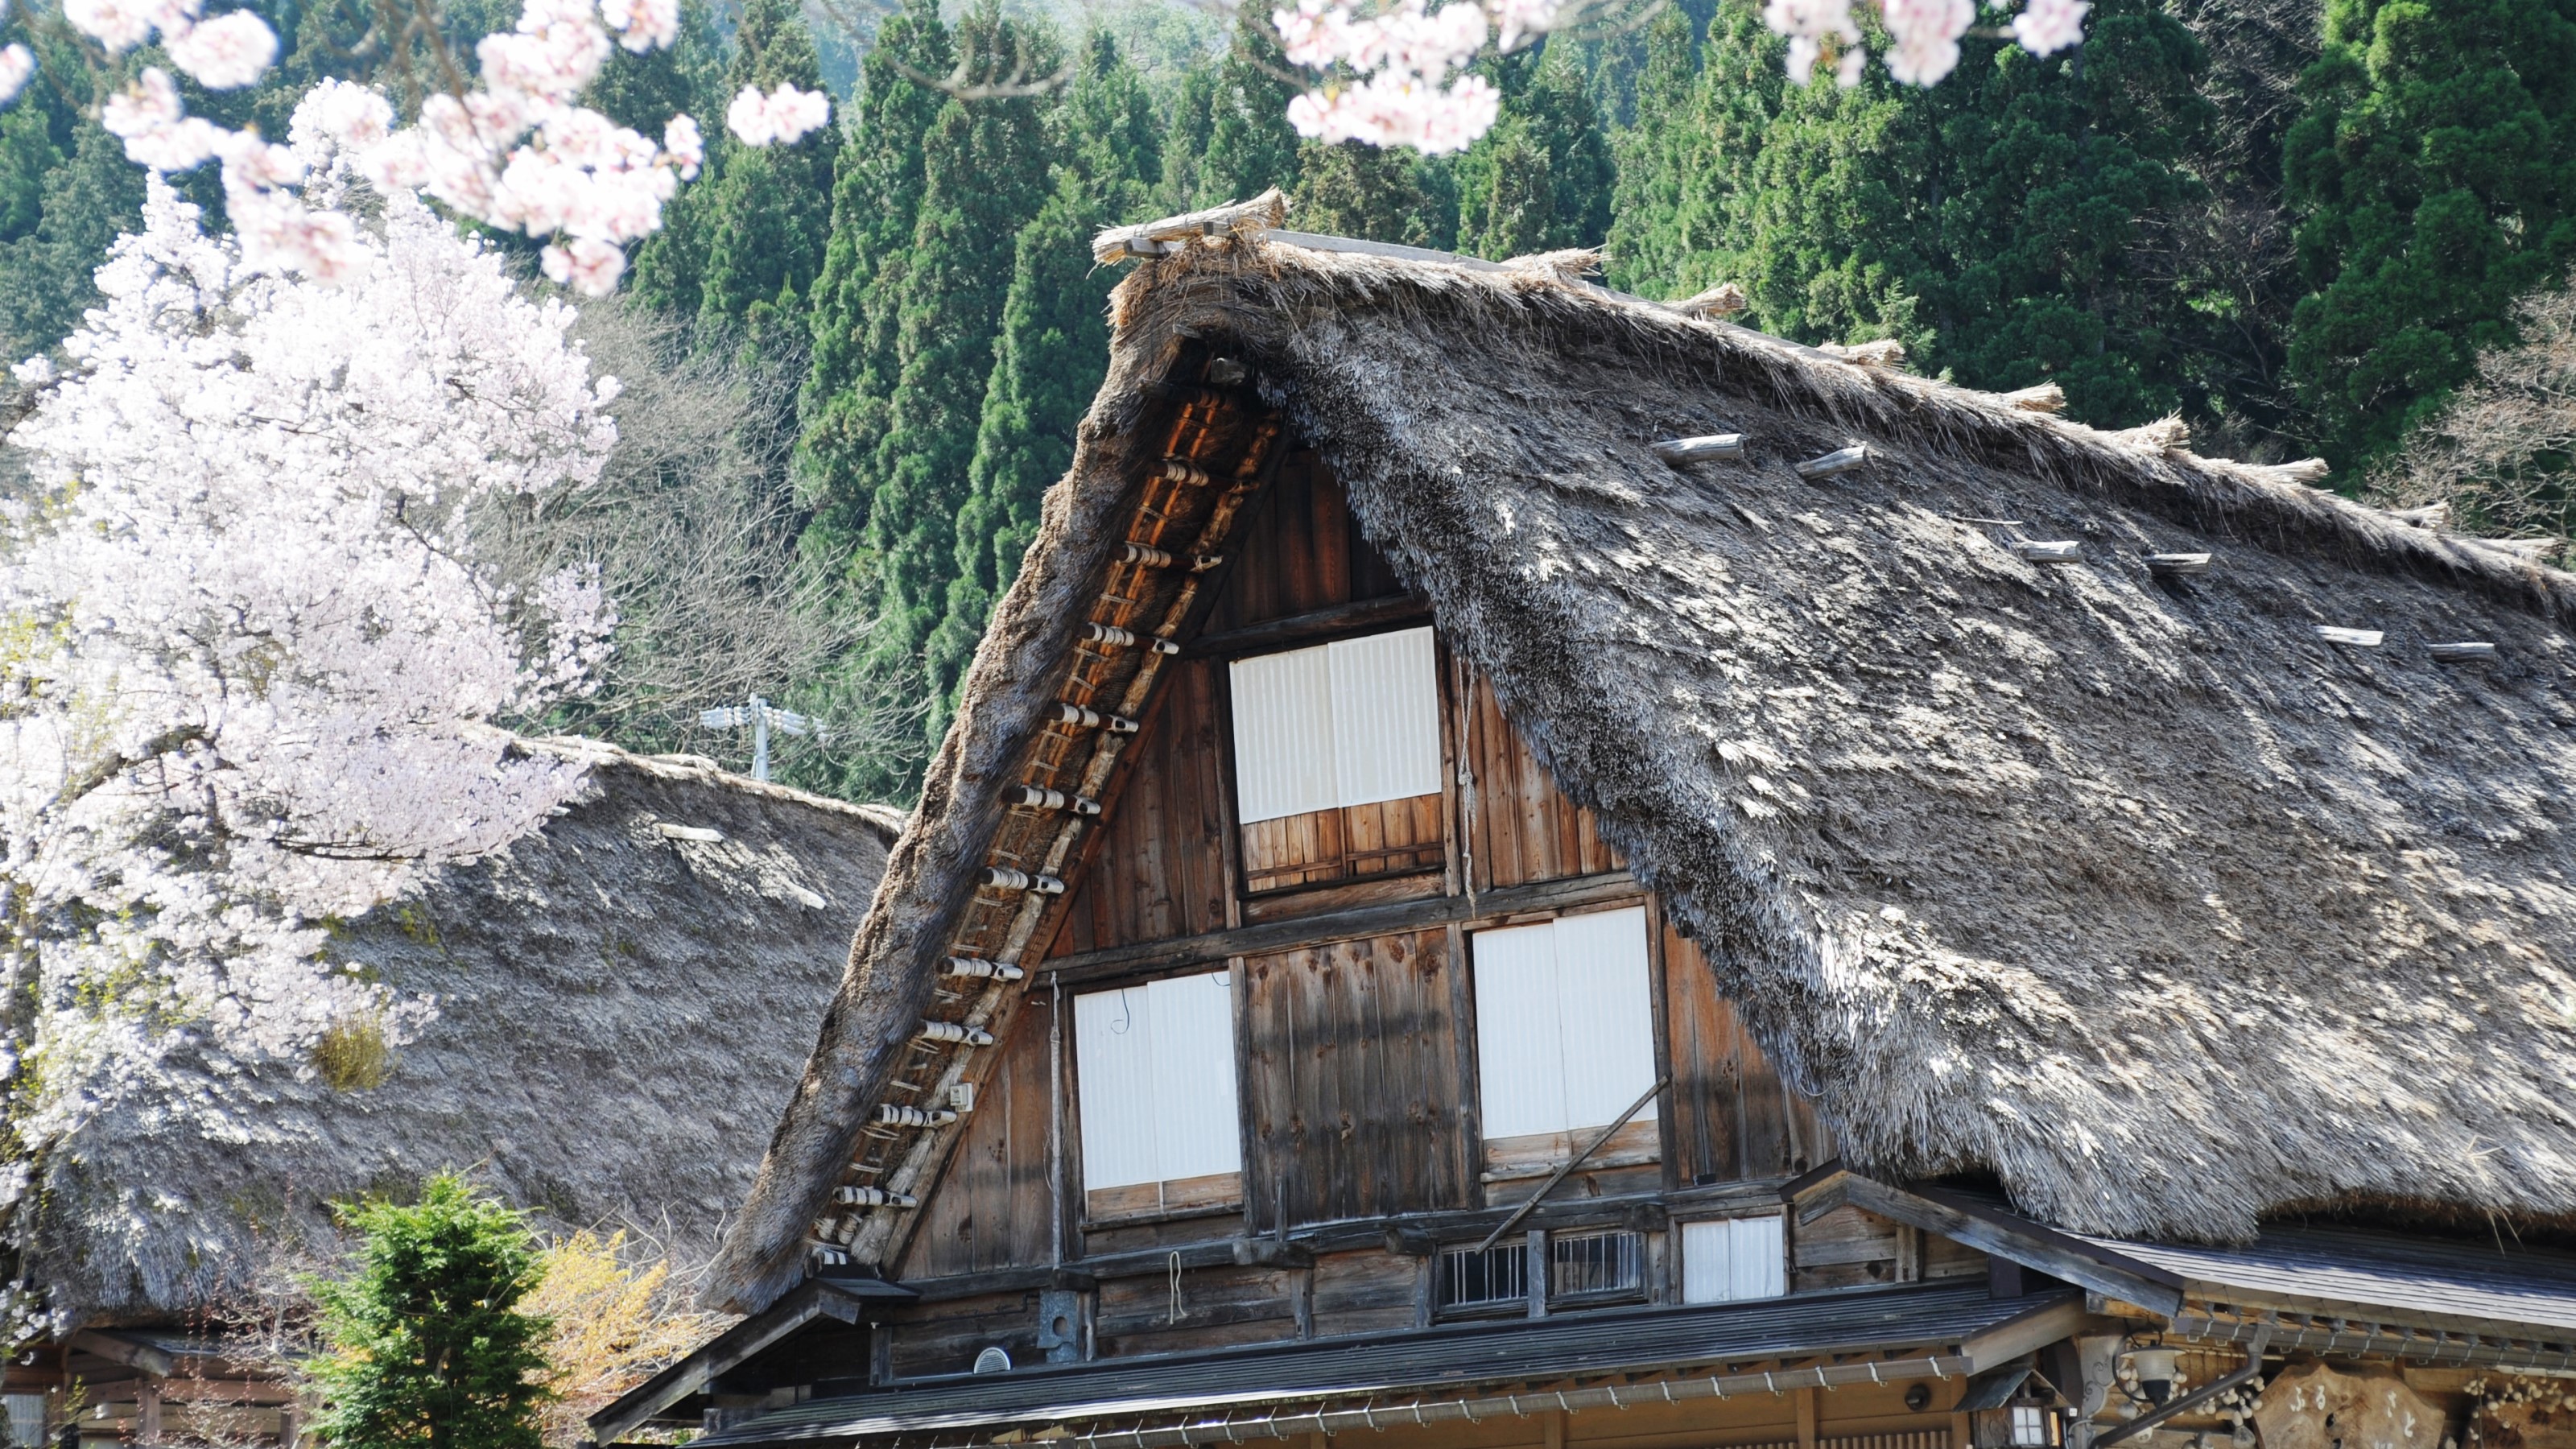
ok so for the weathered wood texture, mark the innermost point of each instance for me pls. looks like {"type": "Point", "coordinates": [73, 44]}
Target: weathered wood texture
{"type": "Point", "coordinates": [1390, 837]}
{"type": "Point", "coordinates": [1299, 552]}
{"type": "Point", "coordinates": [1732, 1119]}
{"type": "Point", "coordinates": [1158, 870]}
{"type": "Point", "coordinates": [1365, 1292]}
{"type": "Point", "coordinates": [1519, 826]}
{"type": "Point", "coordinates": [1852, 1248]}
{"type": "Point", "coordinates": [1354, 1081]}
{"type": "Point", "coordinates": [1213, 1307]}
{"type": "Point", "coordinates": [945, 1339]}
{"type": "Point", "coordinates": [990, 1210]}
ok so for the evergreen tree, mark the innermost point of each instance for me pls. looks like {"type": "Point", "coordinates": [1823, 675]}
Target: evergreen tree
{"type": "Point", "coordinates": [66, 191]}
{"type": "Point", "coordinates": [1249, 147]}
{"type": "Point", "coordinates": [2437, 171]}
{"type": "Point", "coordinates": [1985, 221]}
{"type": "Point", "coordinates": [771, 207]}
{"type": "Point", "coordinates": [1658, 153]}
{"type": "Point", "coordinates": [876, 203]}
{"type": "Point", "coordinates": [1541, 179]}
{"type": "Point", "coordinates": [1053, 351]}
{"type": "Point", "coordinates": [426, 1345]}
{"type": "Point", "coordinates": [985, 175]}
{"type": "Point", "coordinates": [685, 77]}
{"type": "Point", "coordinates": [741, 247]}
{"type": "Point", "coordinates": [1388, 194]}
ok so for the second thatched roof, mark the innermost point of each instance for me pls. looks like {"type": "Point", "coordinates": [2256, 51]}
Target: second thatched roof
{"type": "Point", "coordinates": [621, 997]}
{"type": "Point", "coordinates": [2170, 900]}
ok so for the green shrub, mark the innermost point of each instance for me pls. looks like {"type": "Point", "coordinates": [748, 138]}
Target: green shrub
{"type": "Point", "coordinates": [424, 1340]}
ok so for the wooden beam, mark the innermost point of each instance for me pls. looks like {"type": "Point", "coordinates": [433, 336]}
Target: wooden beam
{"type": "Point", "coordinates": [815, 1298]}
{"type": "Point", "coordinates": [1321, 624]}
{"type": "Point", "coordinates": [141, 1357]}
{"type": "Point", "coordinates": [1390, 919]}
{"type": "Point", "coordinates": [1420, 1232]}
{"type": "Point", "coordinates": [2015, 1239]}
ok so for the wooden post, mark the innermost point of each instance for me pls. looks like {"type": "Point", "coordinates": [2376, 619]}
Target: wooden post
{"type": "Point", "coordinates": [1301, 1288]}
{"type": "Point", "coordinates": [1806, 1400]}
{"type": "Point", "coordinates": [1551, 1427]}
{"type": "Point", "coordinates": [290, 1429]}
{"type": "Point", "coordinates": [1538, 1273]}
{"type": "Point", "coordinates": [148, 1395]}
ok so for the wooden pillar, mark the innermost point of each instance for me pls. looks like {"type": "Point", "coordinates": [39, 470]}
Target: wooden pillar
{"type": "Point", "coordinates": [1538, 1273]}
{"type": "Point", "coordinates": [1806, 1399]}
{"type": "Point", "coordinates": [1551, 1428]}
{"type": "Point", "coordinates": [148, 1394]}
{"type": "Point", "coordinates": [290, 1429]}
{"type": "Point", "coordinates": [1301, 1289]}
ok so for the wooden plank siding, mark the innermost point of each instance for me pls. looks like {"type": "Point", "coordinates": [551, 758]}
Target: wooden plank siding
{"type": "Point", "coordinates": [1158, 870]}
{"type": "Point", "coordinates": [991, 1208]}
{"type": "Point", "coordinates": [1301, 551]}
{"type": "Point", "coordinates": [1520, 827]}
{"type": "Point", "coordinates": [1350, 842]}
{"type": "Point", "coordinates": [1354, 1082]}
{"type": "Point", "coordinates": [1732, 1119]}
{"type": "Point", "coordinates": [1356, 1058]}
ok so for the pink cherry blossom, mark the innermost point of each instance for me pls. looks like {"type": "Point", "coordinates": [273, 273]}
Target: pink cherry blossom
{"type": "Point", "coordinates": [642, 24]}
{"type": "Point", "coordinates": [223, 53]}
{"type": "Point", "coordinates": [1808, 24]}
{"type": "Point", "coordinates": [779, 118]}
{"type": "Point", "coordinates": [2045, 27]}
{"type": "Point", "coordinates": [587, 265]}
{"type": "Point", "coordinates": [1927, 34]}
{"type": "Point", "coordinates": [1403, 64]}
{"type": "Point", "coordinates": [680, 138]}
{"type": "Point", "coordinates": [120, 25]}
{"type": "Point", "coordinates": [16, 65]}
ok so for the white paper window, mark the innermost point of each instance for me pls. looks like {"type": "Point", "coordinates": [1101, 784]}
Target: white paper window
{"type": "Point", "coordinates": [1565, 1024]}
{"type": "Point", "coordinates": [1348, 723]}
{"type": "Point", "coordinates": [1156, 1067]}
{"type": "Point", "coordinates": [26, 1419]}
{"type": "Point", "coordinates": [1731, 1259]}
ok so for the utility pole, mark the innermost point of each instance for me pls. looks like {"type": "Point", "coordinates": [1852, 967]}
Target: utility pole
{"type": "Point", "coordinates": [762, 717]}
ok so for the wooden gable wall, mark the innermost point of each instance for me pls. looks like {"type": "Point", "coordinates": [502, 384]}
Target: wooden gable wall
{"type": "Point", "coordinates": [1356, 1051]}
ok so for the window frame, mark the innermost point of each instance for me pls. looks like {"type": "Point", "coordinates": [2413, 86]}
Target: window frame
{"type": "Point", "coordinates": [1081, 1068]}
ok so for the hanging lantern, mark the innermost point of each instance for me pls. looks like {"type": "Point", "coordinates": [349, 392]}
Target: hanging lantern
{"type": "Point", "coordinates": [2013, 1407]}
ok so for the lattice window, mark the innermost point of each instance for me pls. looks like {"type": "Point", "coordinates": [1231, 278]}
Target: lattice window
{"type": "Point", "coordinates": [1596, 1264]}
{"type": "Point", "coordinates": [1479, 1278]}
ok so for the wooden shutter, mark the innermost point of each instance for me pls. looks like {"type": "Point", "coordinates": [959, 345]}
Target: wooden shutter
{"type": "Point", "coordinates": [1196, 1131]}
{"type": "Point", "coordinates": [1605, 1014]}
{"type": "Point", "coordinates": [1565, 1041]}
{"type": "Point", "coordinates": [1732, 1259]}
{"type": "Point", "coordinates": [1283, 734]}
{"type": "Point", "coordinates": [1113, 1042]}
{"type": "Point", "coordinates": [1156, 1068]}
{"type": "Point", "coordinates": [1386, 717]}
{"type": "Point", "coordinates": [1520, 1058]}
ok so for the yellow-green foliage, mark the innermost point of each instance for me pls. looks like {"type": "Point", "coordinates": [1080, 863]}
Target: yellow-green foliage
{"type": "Point", "coordinates": [353, 1055]}
{"type": "Point", "coordinates": [618, 1319]}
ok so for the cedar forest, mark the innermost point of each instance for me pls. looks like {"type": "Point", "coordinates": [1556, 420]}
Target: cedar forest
{"type": "Point", "coordinates": [2305, 232]}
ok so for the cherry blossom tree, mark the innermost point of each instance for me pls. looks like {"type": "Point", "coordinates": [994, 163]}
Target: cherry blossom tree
{"type": "Point", "coordinates": [518, 150]}
{"type": "Point", "coordinates": [251, 672]}
{"type": "Point", "coordinates": [1393, 72]}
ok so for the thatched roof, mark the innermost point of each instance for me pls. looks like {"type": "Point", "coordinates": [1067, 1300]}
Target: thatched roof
{"type": "Point", "coordinates": [2133, 891]}
{"type": "Point", "coordinates": [607, 1049]}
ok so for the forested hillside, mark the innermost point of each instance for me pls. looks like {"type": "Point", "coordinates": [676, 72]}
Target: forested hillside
{"type": "Point", "coordinates": [2301, 231]}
